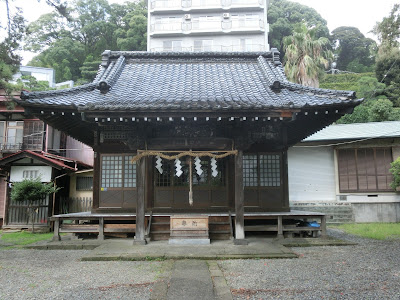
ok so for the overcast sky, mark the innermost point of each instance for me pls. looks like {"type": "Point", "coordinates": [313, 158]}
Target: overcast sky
{"type": "Point", "coordinates": [362, 14]}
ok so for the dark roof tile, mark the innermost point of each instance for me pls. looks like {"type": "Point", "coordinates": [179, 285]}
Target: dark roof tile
{"type": "Point", "coordinates": [190, 81]}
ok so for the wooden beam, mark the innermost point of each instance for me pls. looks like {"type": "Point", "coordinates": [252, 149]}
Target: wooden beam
{"type": "Point", "coordinates": [96, 180]}
{"type": "Point", "coordinates": [239, 200]}
{"type": "Point", "coordinates": [140, 215]}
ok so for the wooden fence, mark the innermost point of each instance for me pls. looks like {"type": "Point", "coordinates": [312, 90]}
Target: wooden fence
{"type": "Point", "coordinates": [74, 205]}
{"type": "Point", "coordinates": [18, 212]}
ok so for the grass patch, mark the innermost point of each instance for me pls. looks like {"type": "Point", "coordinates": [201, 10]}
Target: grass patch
{"type": "Point", "coordinates": [377, 231]}
{"type": "Point", "coordinates": [24, 238]}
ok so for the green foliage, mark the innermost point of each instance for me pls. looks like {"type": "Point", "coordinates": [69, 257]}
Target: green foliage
{"type": "Point", "coordinates": [388, 31]}
{"type": "Point", "coordinates": [73, 46]}
{"type": "Point", "coordinates": [89, 69]}
{"type": "Point", "coordinates": [133, 36]}
{"type": "Point", "coordinates": [30, 83]}
{"type": "Point", "coordinates": [377, 231]}
{"type": "Point", "coordinates": [355, 52]}
{"type": "Point", "coordinates": [343, 82]}
{"type": "Point", "coordinates": [395, 170]}
{"type": "Point", "coordinates": [375, 108]}
{"type": "Point", "coordinates": [306, 56]}
{"type": "Point", "coordinates": [9, 60]}
{"type": "Point", "coordinates": [24, 238]}
{"type": "Point", "coordinates": [31, 190]}
{"type": "Point", "coordinates": [388, 65]}
{"type": "Point", "coordinates": [284, 16]}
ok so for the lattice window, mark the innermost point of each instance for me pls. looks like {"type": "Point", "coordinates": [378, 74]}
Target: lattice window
{"type": "Point", "coordinates": [270, 170]}
{"type": "Point", "coordinates": [250, 170]}
{"type": "Point", "coordinates": [262, 170]}
{"type": "Point", "coordinates": [168, 178]}
{"type": "Point", "coordinates": [203, 178]}
{"type": "Point", "coordinates": [84, 183]}
{"type": "Point", "coordinates": [129, 172]}
{"type": "Point", "coordinates": [111, 173]}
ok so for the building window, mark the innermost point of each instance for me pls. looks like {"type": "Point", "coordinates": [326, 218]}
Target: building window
{"type": "Point", "coordinates": [246, 45]}
{"type": "Point", "coordinates": [84, 183]}
{"type": "Point", "coordinates": [30, 174]}
{"type": "Point", "coordinates": [168, 178]}
{"type": "Point", "coordinates": [33, 135]}
{"type": "Point", "coordinates": [364, 169]}
{"type": "Point", "coordinates": [203, 45]}
{"type": "Point", "coordinates": [175, 46]}
{"type": "Point", "coordinates": [2, 134]}
{"type": "Point", "coordinates": [245, 21]}
{"type": "Point", "coordinates": [168, 24]}
{"type": "Point", "coordinates": [14, 135]}
{"type": "Point", "coordinates": [206, 22]}
{"type": "Point", "coordinates": [263, 170]}
{"type": "Point", "coordinates": [117, 171]}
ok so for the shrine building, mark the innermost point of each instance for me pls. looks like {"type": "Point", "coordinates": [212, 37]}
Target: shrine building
{"type": "Point", "coordinates": [199, 134]}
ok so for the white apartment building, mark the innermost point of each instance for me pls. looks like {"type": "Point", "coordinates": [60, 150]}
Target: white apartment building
{"type": "Point", "coordinates": [207, 25]}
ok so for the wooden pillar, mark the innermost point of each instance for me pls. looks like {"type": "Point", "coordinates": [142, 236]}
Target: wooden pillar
{"type": "Point", "coordinates": [56, 236]}
{"type": "Point", "coordinates": [239, 201]}
{"type": "Point", "coordinates": [96, 171]}
{"type": "Point", "coordinates": [280, 227]}
{"type": "Point", "coordinates": [101, 229]}
{"type": "Point", "coordinates": [140, 202]}
{"type": "Point", "coordinates": [323, 226]}
{"type": "Point", "coordinates": [96, 181]}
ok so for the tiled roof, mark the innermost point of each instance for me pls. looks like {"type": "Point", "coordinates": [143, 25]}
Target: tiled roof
{"type": "Point", "coordinates": [143, 81]}
{"type": "Point", "coordinates": [357, 131]}
{"type": "Point", "coordinates": [55, 161]}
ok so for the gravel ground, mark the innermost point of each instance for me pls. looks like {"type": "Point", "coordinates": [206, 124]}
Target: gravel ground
{"type": "Point", "coordinates": [369, 270]}
{"type": "Point", "coordinates": [58, 274]}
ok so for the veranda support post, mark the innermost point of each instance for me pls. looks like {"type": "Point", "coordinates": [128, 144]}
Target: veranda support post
{"type": "Point", "coordinates": [239, 201]}
{"type": "Point", "coordinates": [140, 214]}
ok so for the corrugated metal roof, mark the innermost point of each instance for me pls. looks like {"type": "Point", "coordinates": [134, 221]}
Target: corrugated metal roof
{"type": "Point", "coordinates": [356, 131]}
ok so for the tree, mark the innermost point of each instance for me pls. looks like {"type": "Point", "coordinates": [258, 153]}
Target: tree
{"type": "Point", "coordinates": [306, 56]}
{"type": "Point", "coordinates": [355, 52]}
{"type": "Point", "coordinates": [32, 191]}
{"type": "Point", "coordinates": [284, 16]}
{"type": "Point", "coordinates": [395, 170]}
{"type": "Point", "coordinates": [388, 31]}
{"type": "Point", "coordinates": [74, 47]}
{"type": "Point", "coordinates": [133, 36]}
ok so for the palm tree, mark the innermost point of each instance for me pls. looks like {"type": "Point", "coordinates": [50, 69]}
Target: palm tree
{"type": "Point", "coordinates": [305, 56]}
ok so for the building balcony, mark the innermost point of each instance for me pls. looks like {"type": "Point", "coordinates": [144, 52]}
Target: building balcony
{"type": "Point", "coordinates": [204, 27]}
{"type": "Point", "coordinates": [169, 6]}
{"type": "Point", "coordinates": [15, 147]}
{"type": "Point", "coordinates": [213, 48]}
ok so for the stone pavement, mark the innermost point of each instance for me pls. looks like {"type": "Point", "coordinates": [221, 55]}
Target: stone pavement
{"type": "Point", "coordinates": [123, 249]}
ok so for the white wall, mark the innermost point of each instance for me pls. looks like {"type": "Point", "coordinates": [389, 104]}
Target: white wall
{"type": "Point", "coordinates": [311, 174]}
{"type": "Point", "coordinates": [16, 173]}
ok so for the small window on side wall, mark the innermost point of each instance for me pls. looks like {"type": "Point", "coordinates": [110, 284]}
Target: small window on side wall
{"type": "Point", "coordinates": [84, 183]}
{"type": "Point", "coordinates": [30, 174]}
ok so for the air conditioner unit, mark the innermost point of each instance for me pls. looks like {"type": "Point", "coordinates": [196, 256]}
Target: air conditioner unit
{"type": "Point", "coordinates": [226, 15]}
{"type": "Point", "coordinates": [188, 17]}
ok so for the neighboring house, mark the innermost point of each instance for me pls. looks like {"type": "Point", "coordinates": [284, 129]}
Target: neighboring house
{"type": "Point", "coordinates": [343, 170]}
{"type": "Point", "coordinates": [41, 74]}
{"type": "Point", "coordinates": [47, 167]}
{"type": "Point", "coordinates": [207, 25]}
{"type": "Point", "coordinates": [20, 130]}
{"type": "Point", "coordinates": [236, 112]}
